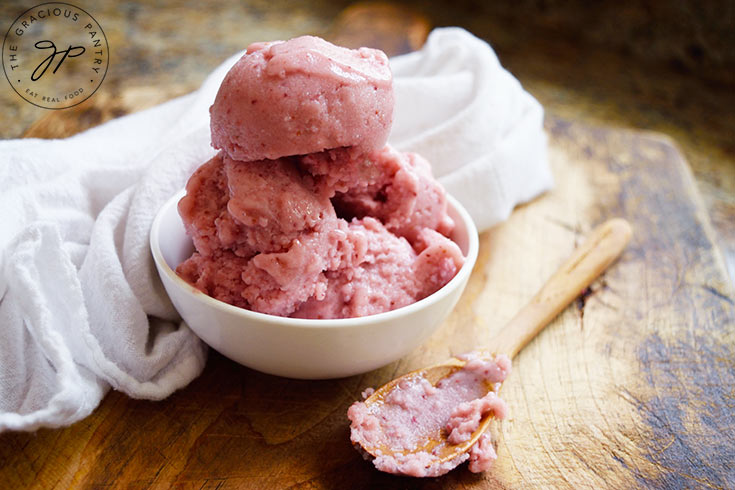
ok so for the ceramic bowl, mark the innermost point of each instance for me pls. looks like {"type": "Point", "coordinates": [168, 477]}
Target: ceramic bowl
{"type": "Point", "coordinates": [305, 348]}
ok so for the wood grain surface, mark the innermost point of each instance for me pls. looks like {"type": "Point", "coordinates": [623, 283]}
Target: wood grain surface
{"type": "Point", "coordinates": [632, 386]}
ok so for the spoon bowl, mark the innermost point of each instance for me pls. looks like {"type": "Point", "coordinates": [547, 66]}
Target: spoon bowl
{"type": "Point", "coordinates": [436, 442]}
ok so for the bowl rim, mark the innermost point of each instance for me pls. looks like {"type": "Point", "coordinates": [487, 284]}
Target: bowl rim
{"type": "Point", "coordinates": [196, 295]}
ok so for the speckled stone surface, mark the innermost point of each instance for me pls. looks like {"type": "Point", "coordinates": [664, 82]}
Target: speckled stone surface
{"type": "Point", "coordinates": [661, 66]}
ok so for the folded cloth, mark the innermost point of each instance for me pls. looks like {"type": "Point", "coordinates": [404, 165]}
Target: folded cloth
{"type": "Point", "coordinates": [81, 306]}
{"type": "Point", "coordinates": [482, 133]}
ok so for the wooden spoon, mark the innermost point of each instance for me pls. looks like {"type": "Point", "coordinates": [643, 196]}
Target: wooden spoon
{"type": "Point", "coordinates": [601, 248]}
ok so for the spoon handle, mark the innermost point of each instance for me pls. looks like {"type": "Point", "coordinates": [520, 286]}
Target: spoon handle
{"type": "Point", "coordinates": [602, 247]}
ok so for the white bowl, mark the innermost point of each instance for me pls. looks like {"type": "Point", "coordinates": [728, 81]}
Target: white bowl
{"type": "Point", "coordinates": [302, 348]}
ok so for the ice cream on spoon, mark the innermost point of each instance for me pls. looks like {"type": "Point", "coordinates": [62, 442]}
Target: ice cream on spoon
{"type": "Point", "coordinates": [429, 421]}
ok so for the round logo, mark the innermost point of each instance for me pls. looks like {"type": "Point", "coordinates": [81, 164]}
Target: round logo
{"type": "Point", "coordinates": [55, 55]}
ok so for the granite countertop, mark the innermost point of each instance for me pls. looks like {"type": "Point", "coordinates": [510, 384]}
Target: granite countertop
{"type": "Point", "coordinates": [665, 67]}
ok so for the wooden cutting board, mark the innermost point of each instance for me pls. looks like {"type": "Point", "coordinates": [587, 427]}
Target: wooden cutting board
{"type": "Point", "coordinates": [632, 386]}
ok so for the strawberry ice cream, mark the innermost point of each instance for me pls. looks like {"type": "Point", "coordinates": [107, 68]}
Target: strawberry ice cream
{"type": "Point", "coordinates": [303, 96]}
{"type": "Point", "coordinates": [396, 427]}
{"type": "Point", "coordinates": [305, 212]}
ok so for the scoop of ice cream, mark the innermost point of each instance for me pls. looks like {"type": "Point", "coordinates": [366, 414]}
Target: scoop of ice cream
{"type": "Point", "coordinates": [270, 213]}
{"type": "Point", "coordinates": [251, 207]}
{"type": "Point", "coordinates": [381, 279]}
{"type": "Point", "coordinates": [278, 283]}
{"type": "Point", "coordinates": [302, 96]}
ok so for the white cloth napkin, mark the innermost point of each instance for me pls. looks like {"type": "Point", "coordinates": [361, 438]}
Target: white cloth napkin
{"type": "Point", "coordinates": [81, 306]}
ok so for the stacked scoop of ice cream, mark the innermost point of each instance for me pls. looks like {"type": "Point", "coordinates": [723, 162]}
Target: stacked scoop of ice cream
{"type": "Point", "coordinates": [305, 211]}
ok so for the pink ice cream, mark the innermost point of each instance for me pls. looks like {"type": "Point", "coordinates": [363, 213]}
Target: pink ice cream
{"type": "Point", "coordinates": [305, 212]}
{"type": "Point", "coordinates": [274, 223]}
{"type": "Point", "coordinates": [396, 427]}
{"type": "Point", "coordinates": [303, 96]}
